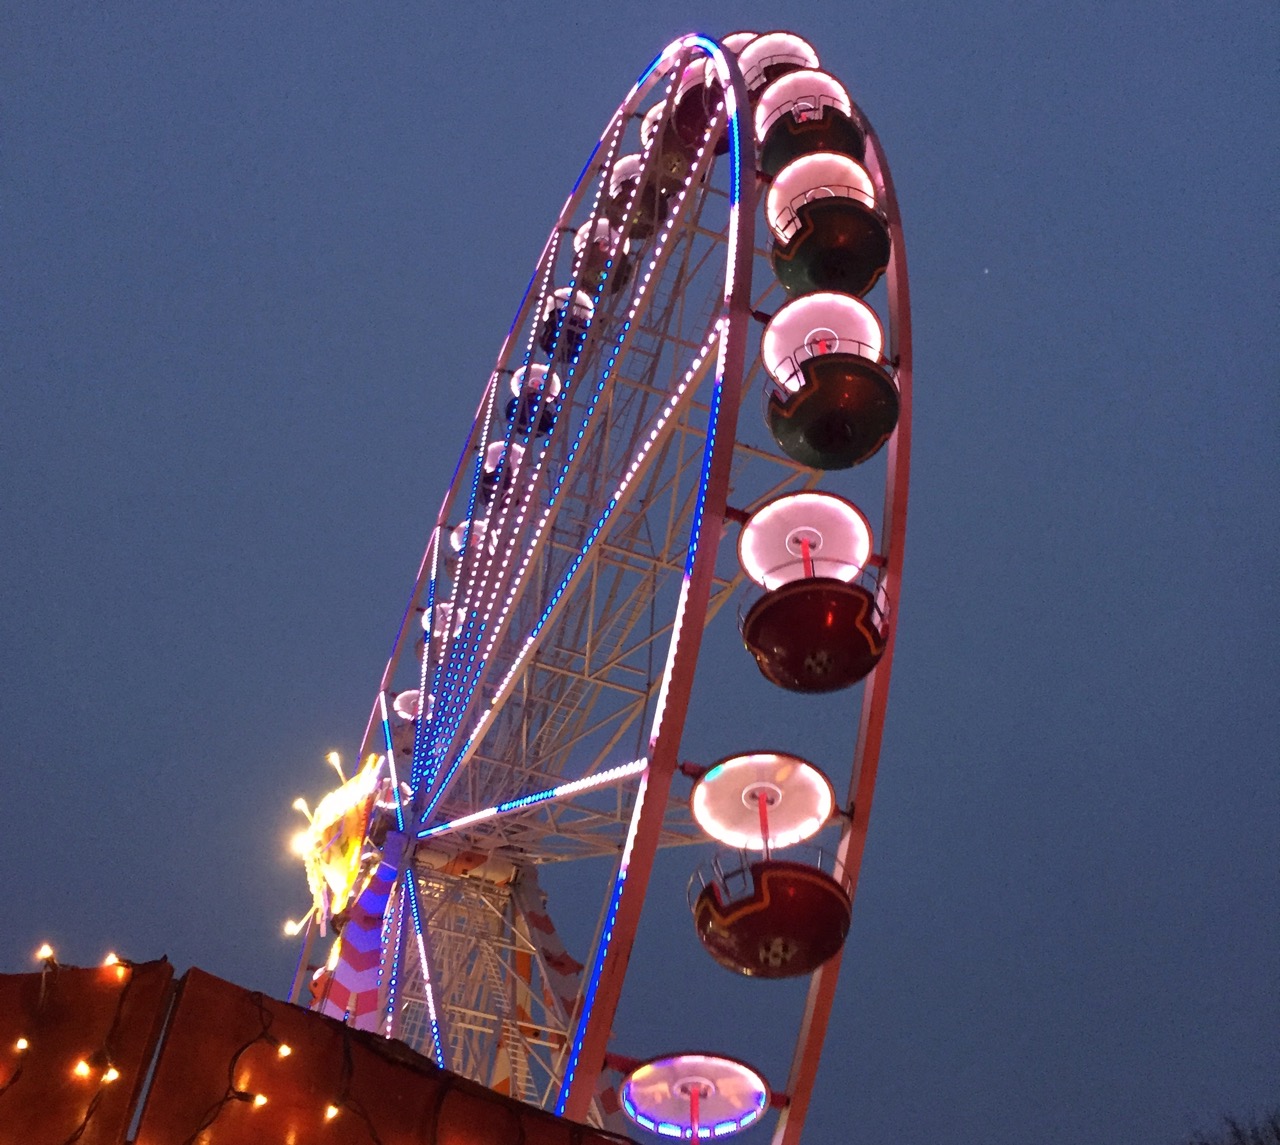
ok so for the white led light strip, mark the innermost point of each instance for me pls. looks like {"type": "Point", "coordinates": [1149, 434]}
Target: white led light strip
{"type": "Point", "coordinates": [550, 795]}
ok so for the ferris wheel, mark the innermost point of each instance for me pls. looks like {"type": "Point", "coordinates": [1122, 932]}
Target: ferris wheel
{"type": "Point", "coordinates": [533, 708]}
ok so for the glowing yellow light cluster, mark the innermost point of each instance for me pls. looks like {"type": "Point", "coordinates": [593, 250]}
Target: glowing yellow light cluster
{"type": "Point", "coordinates": [113, 961]}
{"type": "Point", "coordinates": [332, 842]}
{"type": "Point", "coordinates": [253, 1096]}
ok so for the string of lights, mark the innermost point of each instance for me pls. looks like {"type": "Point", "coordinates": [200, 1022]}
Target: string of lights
{"type": "Point", "coordinates": [257, 1095]}
{"type": "Point", "coordinates": [101, 1060]}
{"type": "Point", "coordinates": [204, 1029]}
{"type": "Point", "coordinates": [100, 1063]}
{"type": "Point", "coordinates": [233, 1091]}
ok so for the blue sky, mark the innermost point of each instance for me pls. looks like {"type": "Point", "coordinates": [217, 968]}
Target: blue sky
{"type": "Point", "coordinates": [254, 267]}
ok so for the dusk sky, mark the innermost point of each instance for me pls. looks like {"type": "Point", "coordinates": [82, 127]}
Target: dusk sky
{"type": "Point", "coordinates": [255, 264]}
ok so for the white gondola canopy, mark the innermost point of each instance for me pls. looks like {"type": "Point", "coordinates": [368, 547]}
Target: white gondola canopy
{"type": "Point", "coordinates": [439, 619]}
{"type": "Point", "coordinates": [650, 123]}
{"type": "Point", "coordinates": [498, 452]}
{"type": "Point", "coordinates": [798, 800]}
{"type": "Point", "coordinates": [660, 1096]}
{"type": "Point", "coordinates": [600, 234]}
{"type": "Point", "coordinates": [810, 179]}
{"type": "Point", "coordinates": [762, 58]}
{"type": "Point", "coordinates": [531, 380]}
{"type": "Point", "coordinates": [814, 325]}
{"type": "Point", "coordinates": [800, 535]}
{"type": "Point", "coordinates": [626, 169]}
{"type": "Point", "coordinates": [804, 95]}
{"type": "Point", "coordinates": [733, 44]}
{"type": "Point", "coordinates": [408, 706]}
{"type": "Point", "coordinates": [580, 309]}
{"type": "Point", "coordinates": [466, 534]}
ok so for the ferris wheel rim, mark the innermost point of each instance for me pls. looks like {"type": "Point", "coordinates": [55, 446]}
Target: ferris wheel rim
{"type": "Point", "coordinates": [672, 699]}
{"type": "Point", "coordinates": [875, 698]}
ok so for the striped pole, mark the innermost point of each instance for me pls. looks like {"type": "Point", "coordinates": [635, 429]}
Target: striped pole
{"type": "Point", "coordinates": [352, 995]}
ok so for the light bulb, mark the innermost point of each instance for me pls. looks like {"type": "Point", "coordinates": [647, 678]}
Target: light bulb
{"type": "Point", "coordinates": [291, 927]}
{"type": "Point", "coordinates": [111, 1074]}
{"type": "Point", "coordinates": [284, 1050]}
{"type": "Point", "coordinates": [111, 959]}
{"type": "Point", "coordinates": [44, 953]}
{"type": "Point", "coordinates": [81, 1068]}
{"type": "Point", "coordinates": [21, 1044]}
{"type": "Point", "coordinates": [300, 842]}
{"type": "Point", "coordinates": [259, 1100]}
{"type": "Point", "coordinates": [330, 1112]}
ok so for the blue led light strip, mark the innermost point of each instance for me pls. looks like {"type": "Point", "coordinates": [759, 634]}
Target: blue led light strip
{"type": "Point", "coordinates": [427, 737]}
{"type": "Point", "coordinates": [708, 45]}
{"type": "Point", "coordinates": [429, 740]}
{"type": "Point", "coordinates": [411, 885]}
{"type": "Point", "coordinates": [391, 757]}
{"type": "Point", "coordinates": [610, 505]}
{"type": "Point", "coordinates": [394, 926]}
{"type": "Point", "coordinates": [419, 731]}
{"type": "Point", "coordinates": [449, 715]}
{"type": "Point", "coordinates": [602, 947]}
